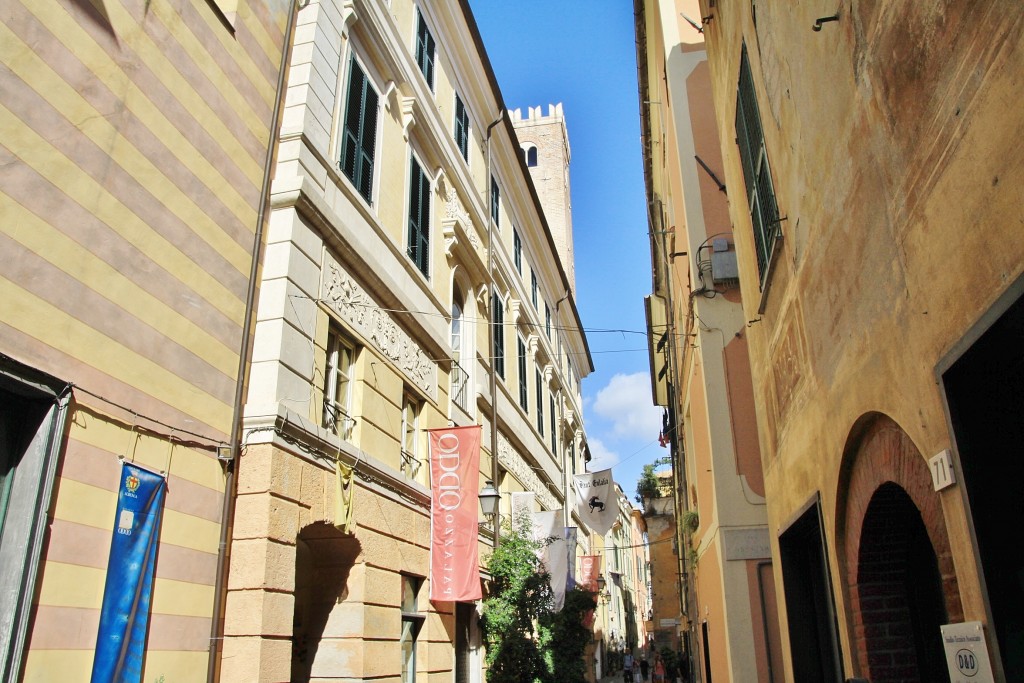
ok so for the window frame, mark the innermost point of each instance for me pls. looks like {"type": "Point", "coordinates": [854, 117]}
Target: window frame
{"type": "Point", "coordinates": [498, 332]}
{"type": "Point", "coordinates": [412, 619]}
{"type": "Point", "coordinates": [534, 290]}
{"type": "Point", "coordinates": [364, 186]}
{"type": "Point", "coordinates": [495, 204]}
{"type": "Point", "coordinates": [554, 424]}
{"type": "Point", "coordinates": [540, 401]}
{"type": "Point", "coordinates": [530, 155]}
{"type": "Point", "coordinates": [409, 456]}
{"type": "Point", "coordinates": [463, 123]}
{"type": "Point", "coordinates": [417, 232]}
{"type": "Point", "coordinates": [517, 249]}
{"type": "Point", "coordinates": [524, 392]}
{"type": "Point", "coordinates": [762, 204]}
{"type": "Point", "coordinates": [425, 50]}
{"type": "Point", "coordinates": [338, 341]}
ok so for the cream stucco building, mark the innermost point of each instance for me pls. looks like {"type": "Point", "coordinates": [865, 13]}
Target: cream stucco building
{"type": "Point", "coordinates": [411, 282]}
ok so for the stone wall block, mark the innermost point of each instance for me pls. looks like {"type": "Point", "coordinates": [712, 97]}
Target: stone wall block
{"type": "Point", "coordinates": [266, 516]}
{"type": "Point", "coordinates": [256, 469]}
{"type": "Point", "coordinates": [339, 657]}
{"type": "Point", "coordinates": [345, 621]}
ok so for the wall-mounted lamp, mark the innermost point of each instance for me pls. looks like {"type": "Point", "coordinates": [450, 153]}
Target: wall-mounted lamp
{"type": "Point", "coordinates": [489, 499]}
{"type": "Point", "coordinates": [602, 590]}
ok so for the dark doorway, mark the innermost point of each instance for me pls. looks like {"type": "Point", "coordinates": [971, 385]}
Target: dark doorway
{"type": "Point", "coordinates": [707, 651]}
{"type": "Point", "coordinates": [900, 592]}
{"type": "Point", "coordinates": [324, 557]}
{"type": "Point", "coordinates": [465, 615]}
{"type": "Point", "coordinates": [813, 638]}
{"type": "Point", "coordinates": [985, 392]}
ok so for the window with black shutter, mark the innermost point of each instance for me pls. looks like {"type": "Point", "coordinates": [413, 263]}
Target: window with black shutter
{"type": "Point", "coordinates": [495, 202]}
{"type": "Point", "coordinates": [462, 128]}
{"type": "Point", "coordinates": [425, 48]}
{"type": "Point", "coordinates": [359, 134]}
{"type": "Point", "coordinates": [764, 212]}
{"type": "Point", "coordinates": [498, 320]}
{"type": "Point", "coordinates": [419, 218]}
{"type": "Point", "coordinates": [523, 383]}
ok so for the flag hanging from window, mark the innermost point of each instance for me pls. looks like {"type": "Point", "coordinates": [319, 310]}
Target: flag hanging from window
{"type": "Point", "coordinates": [454, 484]}
{"type": "Point", "coordinates": [550, 532]}
{"type": "Point", "coordinates": [595, 500]}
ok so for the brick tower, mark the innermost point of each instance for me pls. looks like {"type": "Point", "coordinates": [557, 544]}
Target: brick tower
{"type": "Point", "coordinates": [545, 145]}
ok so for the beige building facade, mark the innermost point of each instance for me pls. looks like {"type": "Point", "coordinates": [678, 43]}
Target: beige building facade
{"type": "Point", "coordinates": [872, 160]}
{"type": "Point", "coordinates": [406, 287]}
{"type": "Point", "coordinates": [723, 569]}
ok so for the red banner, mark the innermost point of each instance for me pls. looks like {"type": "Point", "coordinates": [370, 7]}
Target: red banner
{"type": "Point", "coordinates": [590, 569]}
{"type": "Point", "coordinates": [454, 480]}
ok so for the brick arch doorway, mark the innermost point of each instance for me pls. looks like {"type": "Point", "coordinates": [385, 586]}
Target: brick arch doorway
{"type": "Point", "coordinates": [897, 565]}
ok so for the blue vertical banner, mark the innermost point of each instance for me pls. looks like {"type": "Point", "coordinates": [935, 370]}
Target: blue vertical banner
{"type": "Point", "coordinates": [124, 617]}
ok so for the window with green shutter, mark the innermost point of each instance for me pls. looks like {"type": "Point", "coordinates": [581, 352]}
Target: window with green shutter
{"type": "Point", "coordinates": [419, 218]}
{"type": "Point", "coordinates": [517, 250]}
{"type": "Point", "coordinates": [498, 321]}
{"type": "Point", "coordinates": [425, 48]}
{"type": "Point", "coordinates": [540, 402]}
{"type": "Point", "coordinates": [523, 382]}
{"type": "Point", "coordinates": [359, 133]}
{"type": "Point", "coordinates": [495, 203]}
{"type": "Point", "coordinates": [554, 424]}
{"type": "Point", "coordinates": [462, 128]}
{"type": "Point", "coordinates": [764, 212]}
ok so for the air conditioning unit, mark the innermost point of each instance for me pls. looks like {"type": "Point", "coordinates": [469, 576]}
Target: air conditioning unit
{"type": "Point", "coordinates": [724, 269]}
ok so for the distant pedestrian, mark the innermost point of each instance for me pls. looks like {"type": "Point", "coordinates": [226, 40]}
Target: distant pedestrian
{"type": "Point", "coordinates": [637, 675]}
{"type": "Point", "coordinates": [659, 670]}
{"type": "Point", "coordinates": [645, 668]}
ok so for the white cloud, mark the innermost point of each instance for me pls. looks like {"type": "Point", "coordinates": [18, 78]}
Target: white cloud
{"type": "Point", "coordinates": [601, 457]}
{"type": "Point", "coordinates": [626, 404]}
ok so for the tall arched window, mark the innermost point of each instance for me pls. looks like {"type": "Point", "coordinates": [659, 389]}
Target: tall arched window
{"type": "Point", "coordinates": [530, 155]}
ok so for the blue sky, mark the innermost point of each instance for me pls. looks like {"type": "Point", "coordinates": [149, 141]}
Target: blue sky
{"type": "Point", "coordinates": [582, 53]}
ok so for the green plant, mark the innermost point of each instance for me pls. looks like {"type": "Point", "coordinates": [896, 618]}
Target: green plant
{"type": "Point", "coordinates": [564, 638]}
{"type": "Point", "coordinates": [693, 558]}
{"type": "Point", "coordinates": [520, 596]}
{"type": "Point", "coordinates": [689, 520]}
{"type": "Point", "coordinates": [648, 486]}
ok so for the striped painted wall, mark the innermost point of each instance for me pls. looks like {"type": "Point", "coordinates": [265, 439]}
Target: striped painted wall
{"type": "Point", "coordinates": [133, 135]}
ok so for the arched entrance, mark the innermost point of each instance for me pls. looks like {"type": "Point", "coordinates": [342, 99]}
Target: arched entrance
{"type": "Point", "coordinates": [324, 559]}
{"type": "Point", "coordinates": [900, 589]}
{"type": "Point", "coordinates": [897, 565]}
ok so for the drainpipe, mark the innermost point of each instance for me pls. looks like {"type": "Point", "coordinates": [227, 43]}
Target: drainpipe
{"type": "Point", "coordinates": [490, 328]}
{"type": "Point", "coordinates": [231, 483]}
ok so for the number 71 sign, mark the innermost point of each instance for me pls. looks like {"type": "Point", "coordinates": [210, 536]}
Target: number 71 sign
{"type": "Point", "coordinates": [941, 466]}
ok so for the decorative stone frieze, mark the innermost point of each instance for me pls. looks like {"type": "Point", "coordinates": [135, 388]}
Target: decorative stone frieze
{"type": "Point", "coordinates": [344, 296]}
{"type": "Point", "coordinates": [510, 459]}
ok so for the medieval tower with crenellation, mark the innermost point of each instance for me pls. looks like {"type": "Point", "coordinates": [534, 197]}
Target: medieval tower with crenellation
{"type": "Point", "coordinates": [545, 145]}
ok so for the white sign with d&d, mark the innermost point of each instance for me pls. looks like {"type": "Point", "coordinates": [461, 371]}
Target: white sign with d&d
{"type": "Point", "coordinates": [967, 653]}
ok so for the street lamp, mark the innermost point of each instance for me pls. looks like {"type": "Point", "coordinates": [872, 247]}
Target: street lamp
{"type": "Point", "coordinates": [602, 591]}
{"type": "Point", "coordinates": [489, 499]}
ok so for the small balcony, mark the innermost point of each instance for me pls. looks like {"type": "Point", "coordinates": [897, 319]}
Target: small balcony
{"type": "Point", "coordinates": [337, 419]}
{"type": "Point", "coordinates": [460, 388]}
